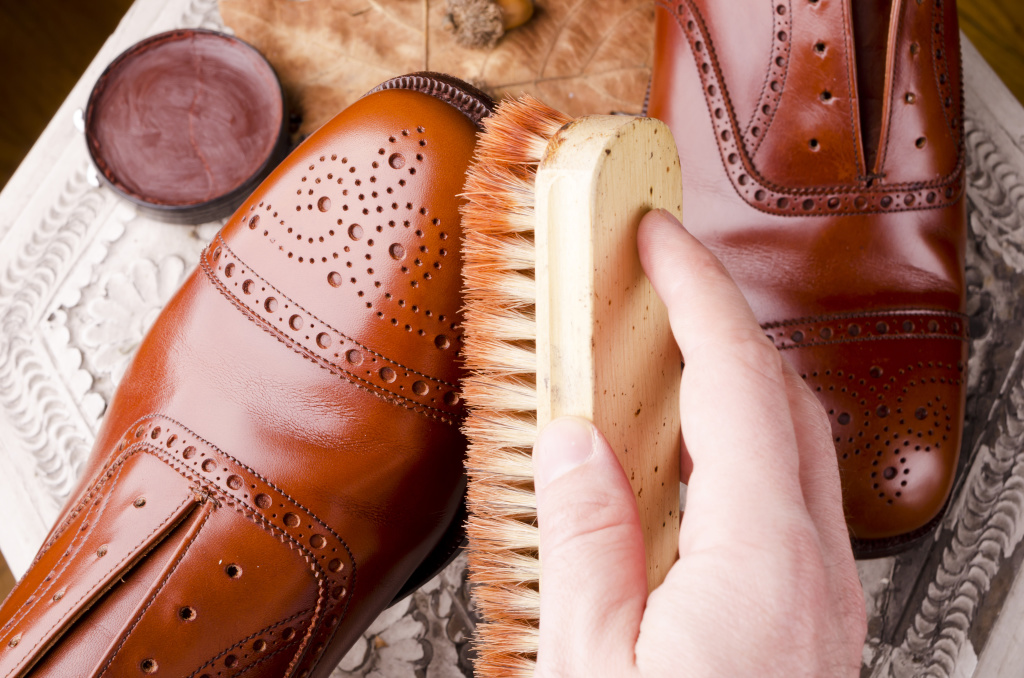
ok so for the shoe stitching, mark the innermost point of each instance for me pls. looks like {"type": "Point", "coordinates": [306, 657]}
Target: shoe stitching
{"type": "Point", "coordinates": [90, 591]}
{"type": "Point", "coordinates": [253, 515]}
{"type": "Point", "coordinates": [262, 521]}
{"type": "Point", "coordinates": [265, 658]}
{"type": "Point", "coordinates": [152, 598]}
{"type": "Point", "coordinates": [778, 24]}
{"type": "Point", "coordinates": [814, 343]}
{"type": "Point", "coordinates": [328, 366]}
{"type": "Point", "coordinates": [883, 148]}
{"type": "Point", "coordinates": [939, 33]}
{"type": "Point", "coordinates": [64, 559]}
{"type": "Point", "coordinates": [854, 128]}
{"type": "Point", "coordinates": [828, 200]}
{"type": "Point", "coordinates": [807, 330]}
{"type": "Point", "coordinates": [278, 533]}
{"type": "Point", "coordinates": [245, 640]}
{"type": "Point", "coordinates": [224, 245]}
{"type": "Point", "coordinates": [865, 314]}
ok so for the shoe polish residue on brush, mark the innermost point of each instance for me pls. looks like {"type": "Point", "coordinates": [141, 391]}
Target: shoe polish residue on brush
{"type": "Point", "coordinates": [500, 350]}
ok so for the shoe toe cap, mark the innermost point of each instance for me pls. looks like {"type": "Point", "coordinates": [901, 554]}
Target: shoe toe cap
{"type": "Point", "coordinates": [893, 388]}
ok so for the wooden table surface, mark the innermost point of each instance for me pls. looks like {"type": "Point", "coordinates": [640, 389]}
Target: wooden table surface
{"type": "Point", "coordinates": [82, 275]}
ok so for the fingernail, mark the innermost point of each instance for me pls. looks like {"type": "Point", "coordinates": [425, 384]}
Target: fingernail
{"type": "Point", "coordinates": [663, 213]}
{"type": "Point", "coordinates": [563, 445]}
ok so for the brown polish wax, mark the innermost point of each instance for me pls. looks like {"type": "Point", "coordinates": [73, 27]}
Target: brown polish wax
{"type": "Point", "coordinates": [184, 118]}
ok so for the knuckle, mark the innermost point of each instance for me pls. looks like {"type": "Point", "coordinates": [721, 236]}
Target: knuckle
{"type": "Point", "coordinates": [751, 349]}
{"type": "Point", "coordinates": [572, 521]}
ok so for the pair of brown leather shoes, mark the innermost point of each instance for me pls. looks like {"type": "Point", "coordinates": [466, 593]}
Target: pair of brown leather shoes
{"type": "Point", "coordinates": [823, 162]}
{"type": "Point", "coordinates": [283, 458]}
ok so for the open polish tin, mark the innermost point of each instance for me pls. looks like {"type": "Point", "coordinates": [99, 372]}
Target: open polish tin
{"type": "Point", "coordinates": [185, 124]}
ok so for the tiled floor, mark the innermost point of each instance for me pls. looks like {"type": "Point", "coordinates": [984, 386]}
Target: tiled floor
{"type": "Point", "coordinates": [45, 45]}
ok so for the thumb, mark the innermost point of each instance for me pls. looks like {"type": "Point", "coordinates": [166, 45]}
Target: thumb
{"type": "Point", "coordinates": [593, 580]}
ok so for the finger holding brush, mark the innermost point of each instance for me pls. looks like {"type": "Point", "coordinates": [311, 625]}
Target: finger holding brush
{"type": "Point", "coordinates": [765, 584]}
{"type": "Point", "coordinates": [561, 320]}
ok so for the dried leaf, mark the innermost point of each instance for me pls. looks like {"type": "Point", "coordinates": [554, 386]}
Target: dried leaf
{"type": "Point", "coordinates": [580, 56]}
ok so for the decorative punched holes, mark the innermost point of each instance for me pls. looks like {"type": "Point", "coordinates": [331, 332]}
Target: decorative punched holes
{"type": "Point", "coordinates": [864, 197]}
{"type": "Point", "coordinates": [139, 503]}
{"type": "Point", "coordinates": [148, 666]}
{"type": "Point", "coordinates": [900, 411]}
{"type": "Point", "coordinates": [209, 465]}
{"type": "Point", "coordinates": [272, 509]}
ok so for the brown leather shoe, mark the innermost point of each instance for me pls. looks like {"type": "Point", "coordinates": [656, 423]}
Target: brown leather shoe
{"type": "Point", "coordinates": [283, 457]}
{"type": "Point", "coordinates": [824, 165]}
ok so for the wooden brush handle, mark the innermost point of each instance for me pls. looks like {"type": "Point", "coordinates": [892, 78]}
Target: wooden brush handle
{"type": "Point", "coordinates": [604, 347]}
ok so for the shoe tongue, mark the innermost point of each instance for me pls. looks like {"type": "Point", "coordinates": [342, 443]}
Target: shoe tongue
{"type": "Point", "coordinates": [871, 24]}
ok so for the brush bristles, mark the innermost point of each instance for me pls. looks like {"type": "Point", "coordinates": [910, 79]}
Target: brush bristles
{"type": "Point", "coordinates": [500, 334]}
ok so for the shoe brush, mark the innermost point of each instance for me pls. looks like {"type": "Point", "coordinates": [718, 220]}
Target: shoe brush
{"type": "Point", "coordinates": [561, 320]}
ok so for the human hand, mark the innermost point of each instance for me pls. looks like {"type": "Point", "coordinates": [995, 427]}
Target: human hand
{"type": "Point", "coordinates": [765, 584]}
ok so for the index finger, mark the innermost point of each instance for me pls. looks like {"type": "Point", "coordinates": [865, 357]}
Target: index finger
{"type": "Point", "coordinates": [735, 411]}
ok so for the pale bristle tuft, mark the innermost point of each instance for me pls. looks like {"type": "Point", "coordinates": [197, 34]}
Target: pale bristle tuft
{"type": "Point", "coordinates": [500, 334]}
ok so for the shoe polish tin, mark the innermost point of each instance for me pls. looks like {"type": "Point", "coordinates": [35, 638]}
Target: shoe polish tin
{"type": "Point", "coordinates": [186, 124]}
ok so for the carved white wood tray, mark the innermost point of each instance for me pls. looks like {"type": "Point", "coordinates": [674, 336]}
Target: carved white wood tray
{"type": "Point", "coordinates": [82, 276]}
